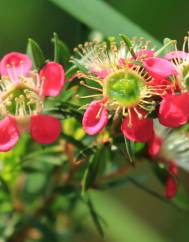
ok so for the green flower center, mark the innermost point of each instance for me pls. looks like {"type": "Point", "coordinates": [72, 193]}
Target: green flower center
{"type": "Point", "coordinates": [17, 99]}
{"type": "Point", "coordinates": [124, 87]}
{"type": "Point", "coordinates": [20, 100]}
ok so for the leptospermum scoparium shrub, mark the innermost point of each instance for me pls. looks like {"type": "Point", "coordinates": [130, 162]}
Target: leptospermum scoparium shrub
{"type": "Point", "coordinates": [131, 105]}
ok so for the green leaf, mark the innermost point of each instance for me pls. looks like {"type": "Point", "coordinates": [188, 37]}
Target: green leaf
{"type": "Point", "coordinates": [139, 147]}
{"type": "Point", "coordinates": [61, 51]}
{"type": "Point", "coordinates": [79, 65]}
{"type": "Point", "coordinates": [161, 173]}
{"type": "Point", "coordinates": [181, 199]}
{"type": "Point", "coordinates": [66, 190]}
{"type": "Point", "coordinates": [128, 44]}
{"type": "Point", "coordinates": [66, 110]}
{"type": "Point", "coordinates": [130, 150]}
{"type": "Point", "coordinates": [35, 53]}
{"type": "Point", "coordinates": [124, 224]}
{"type": "Point", "coordinates": [51, 159]}
{"type": "Point", "coordinates": [4, 186]}
{"type": "Point", "coordinates": [71, 72]}
{"type": "Point", "coordinates": [120, 182]}
{"type": "Point", "coordinates": [152, 192]}
{"type": "Point", "coordinates": [91, 171]}
{"type": "Point", "coordinates": [30, 169]}
{"type": "Point", "coordinates": [95, 217]}
{"type": "Point", "coordinates": [100, 16]}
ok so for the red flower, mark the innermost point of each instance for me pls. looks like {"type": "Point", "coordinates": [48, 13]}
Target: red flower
{"type": "Point", "coordinates": [140, 130]}
{"type": "Point", "coordinates": [154, 145]}
{"type": "Point", "coordinates": [174, 110]}
{"type": "Point", "coordinates": [164, 85]}
{"type": "Point", "coordinates": [170, 187]}
{"type": "Point", "coordinates": [171, 184]}
{"type": "Point", "coordinates": [24, 91]}
{"type": "Point", "coordinates": [45, 129]}
{"type": "Point", "coordinates": [173, 170]}
{"type": "Point", "coordinates": [54, 78]}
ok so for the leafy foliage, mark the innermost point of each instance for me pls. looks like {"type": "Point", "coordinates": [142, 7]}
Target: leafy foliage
{"type": "Point", "coordinates": [41, 186]}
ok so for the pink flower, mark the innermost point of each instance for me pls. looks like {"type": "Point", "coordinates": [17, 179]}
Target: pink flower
{"type": "Point", "coordinates": [21, 100]}
{"type": "Point", "coordinates": [15, 64]}
{"type": "Point", "coordinates": [174, 110]}
{"type": "Point", "coordinates": [179, 54]}
{"type": "Point", "coordinates": [95, 118]}
{"type": "Point", "coordinates": [9, 133]}
{"type": "Point", "coordinates": [159, 68]}
{"type": "Point", "coordinates": [100, 73]}
{"type": "Point", "coordinates": [180, 60]}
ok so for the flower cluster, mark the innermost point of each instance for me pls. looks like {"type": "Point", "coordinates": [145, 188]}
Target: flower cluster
{"type": "Point", "coordinates": [133, 81]}
{"type": "Point", "coordinates": [22, 94]}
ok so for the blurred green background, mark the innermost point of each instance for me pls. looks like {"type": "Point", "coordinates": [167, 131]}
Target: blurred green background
{"type": "Point", "coordinates": [131, 214]}
{"type": "Point", "coordinates": [20, 19]}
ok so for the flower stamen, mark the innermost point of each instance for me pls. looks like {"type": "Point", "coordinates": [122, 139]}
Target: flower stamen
{"type": "Point", "coordinates": [90, 87]}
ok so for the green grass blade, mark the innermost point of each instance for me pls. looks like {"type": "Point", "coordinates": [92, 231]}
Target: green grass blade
{"type": "Point", "coordinates": [100, 16]}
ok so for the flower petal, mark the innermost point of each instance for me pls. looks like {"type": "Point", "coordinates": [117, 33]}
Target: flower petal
{"type": "Point", "coordinates": [9, 134]}
{"type": "Point", "coordinates": [45, 129]}
{"type": "Point", "coordinates": [141, 130]}
{"type": "Point", "coordinates": [171, 188]}
{"type": "Point", "coordinates": [15, 64]}
{"type": "Point", "coordinates": [172, 168]}
{"type": "Point", "coordinates": [54, 78]}
{"type": "Point", "coordinates": [181, 55]}
{"type": "Point", "coordinates": [154, 145]}
{"type": "Point", "coordinates": [159, 68]}
{"type": "Point", "coordinates": [163, 86]}
{"type": "Point", "coordinates": [91, 123]}
{"type": "Point", "coordinates": [174, 110]}
{"type": "Point", "coordinates": [100, 73]}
